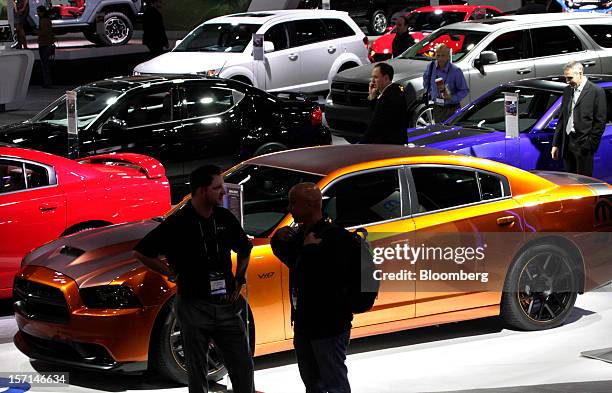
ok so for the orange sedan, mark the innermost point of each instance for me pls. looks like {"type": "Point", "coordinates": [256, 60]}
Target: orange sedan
{"type": "Point", "coordinates": [543, 238]}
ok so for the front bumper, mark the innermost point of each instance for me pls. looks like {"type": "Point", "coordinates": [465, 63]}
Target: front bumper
{"type": "Point", "coordinates": [347, 121]}
{"type": "Point", "coordinates": [102, 339]}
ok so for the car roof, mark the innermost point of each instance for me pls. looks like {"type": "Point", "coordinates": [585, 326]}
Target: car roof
{"type": "Point", "coordinates": [453, 8]}
{"type": "Point", "coordinates": [32, 155]}
{"type": "Point", "coordinates": [323, 160]}
{"type": "Point", "coordinates": [555, 82]}
{"type": "Point", "coordinates": [261, 17]}
{"type": "Point", "coordinates": [501, 22]}
{"type": "Point", "coordinates": [126, 83]}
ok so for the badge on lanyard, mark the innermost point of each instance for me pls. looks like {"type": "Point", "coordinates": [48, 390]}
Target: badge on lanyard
{"type": "Point", "coordinates": [440, 101]}
{"type": "Point", "coordinates": [217, 284]}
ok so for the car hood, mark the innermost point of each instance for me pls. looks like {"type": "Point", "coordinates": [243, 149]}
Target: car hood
{"type": "Point", "coordinates": [190, 62]}
{"type": "Point", "coordinates": [455, 139]}
{"type": "Point", "coordinates": [405, 69]}
{"type": "Point", "coordinates": [39, 136]}
{"type": "Point", "coordinates": [94, 257]}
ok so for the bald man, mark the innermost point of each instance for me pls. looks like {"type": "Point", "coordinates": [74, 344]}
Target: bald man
{"type": "Point", "coordinates": [317, 258]}
{"type": "Point", "coordinates": [452, 87]}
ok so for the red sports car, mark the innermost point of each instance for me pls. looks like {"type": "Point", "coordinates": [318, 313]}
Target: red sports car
{"type": "Point", "coordinates": [423, 21]}
{"type": "Point", "coordinates": [44, 196]}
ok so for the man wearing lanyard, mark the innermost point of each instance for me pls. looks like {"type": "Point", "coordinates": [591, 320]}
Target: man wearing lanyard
{"type": "Point", "coordinates": [197, 241]}
{"type": "Point", "coordinates": [445, 83]}
{"type": "Point", "coordinates": [581, 122]}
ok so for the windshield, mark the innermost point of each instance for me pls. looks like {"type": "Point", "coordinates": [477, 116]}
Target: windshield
{"type": "Point", "coordinates": [461, 43]}
{"type": "Point", "coordinates": [91, 101]}
{"type": "Point", "coordinates": [429, 21]}
{"type": "Point", "coordinates": [218, 37]}
{"type": "Point", "coordinates": [488, 114]}
{"type": "Point", "coordinates": [266, 193]}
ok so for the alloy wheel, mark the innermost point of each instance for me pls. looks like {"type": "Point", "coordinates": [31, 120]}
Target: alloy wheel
{"type": "Point", "coordinates": [425, 118]}
{"type": "Point", "coordinates": [116, 30]}
{"type": "Point", "coordinates": [215, 362]}
{"type": "Point", "coordinates": [380, 23]}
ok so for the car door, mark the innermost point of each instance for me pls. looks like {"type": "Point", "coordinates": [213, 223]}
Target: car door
{"type": "Point", "coordinates": [376, 200]}
{"type": "Point", "coordinates": [32, 212]}
{"type": "Point", "coordinates": [146, 122]}
{"type": "Point", "coordinates": [281, 66]}
{"type": "Point", "coordinates": [340, 39]}
{"type": "Point", "coordinates": [555, 46]}
{"type": "Point", "coordinates": [467, 225]}
{"type": "Point", "coordinates": [602, 35]}
{"type": "Point", "coordinates": [513, 51]}
{"type": "Point", "coordinates": [309, 42]}
{"type": "Point", "coordinates": [602, 168]}
{"type": "Point", "coordinates": [211, 130]}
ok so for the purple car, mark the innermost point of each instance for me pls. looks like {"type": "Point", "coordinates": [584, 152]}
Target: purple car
{"type": "Point", "coordinates": [478, 129]}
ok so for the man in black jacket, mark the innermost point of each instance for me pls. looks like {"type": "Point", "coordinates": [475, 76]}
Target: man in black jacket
{"type": "Point", "coordinates": [403, 40]}
{"type": "Point", "coordinates": [581, 122]}
{"type": "Point", "coordinates": [388, 101]}
{"type": "Point", "coordinates": [317, 255]}
{"type": "Point", "coordinates": [153, 29]}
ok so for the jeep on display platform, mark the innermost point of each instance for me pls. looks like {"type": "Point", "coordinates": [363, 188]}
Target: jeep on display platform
{"type": "Point", "coordinates": [116, 23]}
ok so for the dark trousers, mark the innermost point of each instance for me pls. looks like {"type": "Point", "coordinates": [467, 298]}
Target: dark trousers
{"type": "Point", "coordinates": [202, 321]}
{"type": "Point", "coordinates": [321, 363]}
{"type": "Point", "coordinates": [581, 164]}
{"type": "Point", "coordinates": [46, 52]}
{"type": "Point", "coordinates": [441, 113]}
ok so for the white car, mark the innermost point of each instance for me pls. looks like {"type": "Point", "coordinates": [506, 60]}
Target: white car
{"type": "Point", "coordinates": [304, 49]}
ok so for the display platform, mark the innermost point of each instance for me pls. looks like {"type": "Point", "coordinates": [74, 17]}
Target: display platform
{"type": "Point", "coordinates": [473, 356]}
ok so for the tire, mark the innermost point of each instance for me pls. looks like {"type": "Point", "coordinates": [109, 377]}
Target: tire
{"type": "Point", "coordinates": [93, 37]}
{"type": "Point", "coordinates": [270, 147]}
{"type": "Point", "coordinates": [118, 29]}
{"type": "Point", "coordinates": [378, 23]}
{"type": "Point", "coordinates": [423, 116]}
{"type": "Point", "coordinates": [166, 355]}
{"type": "Point", "coordinates": [540, 288]}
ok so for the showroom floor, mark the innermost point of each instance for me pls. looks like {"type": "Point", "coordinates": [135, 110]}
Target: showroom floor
{"type": "Point", "coordinates": [475, 356]}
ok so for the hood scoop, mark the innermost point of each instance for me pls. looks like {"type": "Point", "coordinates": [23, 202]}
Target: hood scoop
{"type": "Point", "coordinates": [71, 251]}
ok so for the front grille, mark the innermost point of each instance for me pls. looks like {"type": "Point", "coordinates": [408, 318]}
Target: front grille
{"type": "Point", "coordinates": [39, 301]}
{"type": "Point", "coordinates": [351, 94]}
{"type": "Point", "coordinates": [381, 57]}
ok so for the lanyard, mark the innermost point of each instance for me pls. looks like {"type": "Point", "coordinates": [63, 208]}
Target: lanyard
{"type": "Point", "coordinates": [204, 240]}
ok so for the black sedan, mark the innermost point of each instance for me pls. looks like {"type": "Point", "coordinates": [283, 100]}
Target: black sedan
{"type": "Point", "coordinates": [184, 123]}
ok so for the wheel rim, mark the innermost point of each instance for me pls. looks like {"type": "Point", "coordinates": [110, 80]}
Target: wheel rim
{"type": "Point", "coordinates": [546, 285]}
{"type": "Point", "coordinates": [116, 30]}
{"type": "Point", "coordinates": [425, 118]}
{"type": "Point", "coordinates": [380, 23]}
{"type": "Point", "coordinates": [215, 362]}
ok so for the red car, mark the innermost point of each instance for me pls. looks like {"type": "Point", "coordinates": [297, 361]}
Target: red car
{"type": "Point", "coordinates": [44, 196]}
{"type": "Point", "coordinates": [423, 21]}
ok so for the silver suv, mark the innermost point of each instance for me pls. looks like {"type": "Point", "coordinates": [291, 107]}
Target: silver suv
{"type": "Point", "coordinates": [490, 52]}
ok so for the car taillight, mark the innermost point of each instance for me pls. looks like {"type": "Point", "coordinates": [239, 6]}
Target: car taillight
{"type": "Point", "coordinates": [316, 116]}
{"type": "Point", "coordinates": [366, 42]}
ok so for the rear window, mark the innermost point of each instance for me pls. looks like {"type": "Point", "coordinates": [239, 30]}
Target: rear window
{"type": "Point", "coordinates": [601, 34]}
{"type": "Point", "coordinates": [337, 28]}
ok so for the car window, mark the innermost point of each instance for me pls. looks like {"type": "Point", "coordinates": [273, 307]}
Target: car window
{"type": "Point", "coordinates": [206, 101]}
{"type": "Point", "coordinates": [37, 176]}
{"type": "Point", "coordinates": [278, 36]}
{"type": "Point", "coordinates": [146, 108]}
{"type": "Point", "coordinates": [510, 46]}
{"type": "Point", "coordinates": [491, 186]}
{"type": "Point", "coordinates": [265, 194]}
{"type": "Point", "coordinates": [601, 34]}
{"type": "Point", "coordinates": [364, 198]}
{"type": "Point", "coordinates": [479, 13]}
{"type": "Point", "coordinates": [337, 28]}
{"type": "Point", "coordinates": [218, 37]}
{"type": "Point", "coordinates": [460, 41]}
{"type": "Point", "coordinates": [11, 176]}
{"type": "Point", "coordinates": [308, 31]}
{"type": "Point", "coordinates": [488, 114]}
{"type": "Point", "coordinates": [429, 21]}
{"type": "Point", "coordinates": [557, 40]}
{"type": "Point", "coordinates": [442, 188]}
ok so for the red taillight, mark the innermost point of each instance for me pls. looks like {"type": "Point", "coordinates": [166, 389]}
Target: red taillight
{"type": "Point", "coordinates": [316, 116]}
{"type": "Point", "coordinates": [366, 42]}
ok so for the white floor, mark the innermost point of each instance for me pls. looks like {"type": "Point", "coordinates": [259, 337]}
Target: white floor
{"type": "Point", "coordinates": [462, 356]}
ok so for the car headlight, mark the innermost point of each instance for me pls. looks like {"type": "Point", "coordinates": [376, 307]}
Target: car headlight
{"type": "Point", "coordinates": [109, 296]}
{"type": "Point", "coordinates": [136, 73]}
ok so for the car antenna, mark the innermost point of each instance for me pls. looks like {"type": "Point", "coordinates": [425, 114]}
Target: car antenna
{"type": "Point", "coordinates": [221, 69]}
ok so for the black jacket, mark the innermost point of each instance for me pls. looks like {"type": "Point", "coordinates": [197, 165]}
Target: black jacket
{"type": "Point", "coordinates": [390, 118]}
{"type": "Point", "coordinates": [153, 30]}
{"type": "Point", "coordinates": [401, 42]}
{"type": "Point", "coordinates": [590, 114]}
{"type": "Point", "coordinates": [319, 279]}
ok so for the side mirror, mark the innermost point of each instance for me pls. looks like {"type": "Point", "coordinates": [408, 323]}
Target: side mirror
{"type": "Point", "coordinates": [177, 43]}
{"type": "Point", "coordinates": [268, 46]}
{"type": "Point", "coordinates": [485, 58]}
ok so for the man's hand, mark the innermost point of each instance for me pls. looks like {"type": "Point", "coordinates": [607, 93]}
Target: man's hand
{"type": "Point", "coordinates": [236, 293]}
{"type": "Point", "coordinates": [373, 91]}
{"type": "Point", "coordinates": [311, 239]}
{"type": "Point", "coordinates": [555, 153]}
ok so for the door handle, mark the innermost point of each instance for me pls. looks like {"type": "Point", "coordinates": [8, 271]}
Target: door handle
{"type": "Point", "coordinates": [331, 49]}
{"type": "Point", "coordinates": [523, 71]}
{"type": "Point", "coordinates": [48, 206]}
{"type": "Point", "coordinates": [589, 63]}
{"type": "Point", "coordinates": [293, 57]}
{"type": "Point", "coordinates": [506, 221]}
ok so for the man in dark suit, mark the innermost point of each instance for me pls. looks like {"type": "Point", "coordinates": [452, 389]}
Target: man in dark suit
{"type": "Point", "coordinates": [388, 101]}
{"type": "Point", "coordinates": [581, 122]}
